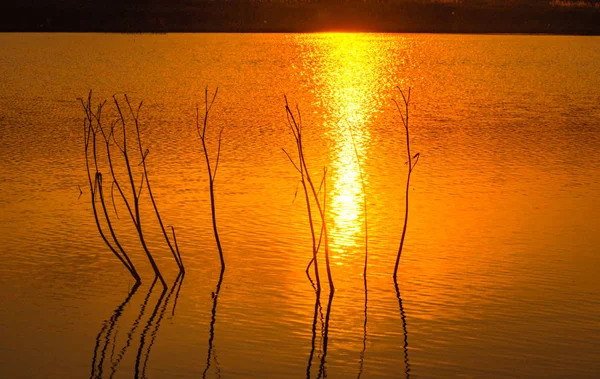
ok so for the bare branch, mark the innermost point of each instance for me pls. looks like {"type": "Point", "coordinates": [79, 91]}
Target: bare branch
{"type": "Point", "coordinates": [141, 185]}
{"type": "Point", "coordinates": [112, 198]}
{"type": "Point", "coordinates": [218, 154]}
{"type": "Point", "coordinates": [291, 161]}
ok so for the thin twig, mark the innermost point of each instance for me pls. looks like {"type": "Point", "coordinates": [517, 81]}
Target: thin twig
{"type": "Point", "coordinates": [144, 154]}
{"type": "Point", "coordinates": [411, 166]}
{"type": "Point", "coordinates": [211, 174]}
{"type": "Point", "coordinates": [95, 185]}
{"type": "Point", "coordinates": [296, 129]}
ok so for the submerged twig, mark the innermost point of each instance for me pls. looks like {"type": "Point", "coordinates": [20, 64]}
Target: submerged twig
{"type": "Point", "coordinates": [411, 166]}
{"type": "Point", "coordinates": [212, 173]}
{"type": "Point", "coordinates": [92, 126]}
{"type": "Point", "coordinates": [323, 213]}
{"type": "Point", "coordinates": [295, 124]}
{"type": "Point", "coordinates": [296, 128]}
{"type": "Point", "coordinates": [143, 155]}
{"type": "Point", "coordinates": [95, 130]}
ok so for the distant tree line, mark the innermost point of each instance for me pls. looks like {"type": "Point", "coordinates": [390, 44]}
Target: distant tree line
{"type": "Point", "coordinates": [431, 16]}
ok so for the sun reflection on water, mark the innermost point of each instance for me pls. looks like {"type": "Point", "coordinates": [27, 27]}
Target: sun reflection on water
{"type": "Point", "coordinates": [348, 72]}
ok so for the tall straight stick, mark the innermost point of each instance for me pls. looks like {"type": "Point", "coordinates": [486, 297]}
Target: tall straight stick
{"type": "Point", "coordinates": [211, 173]}
{"type": "Point", "coordinates": [323, 213]}
{"type": "Point", "coordinates": [411, 166]}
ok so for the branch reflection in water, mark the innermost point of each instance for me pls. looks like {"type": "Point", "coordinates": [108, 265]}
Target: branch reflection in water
{"type": "Point", "coordinates": [405, 331]}
{"type": "Point", "coordinates": [364, 348]}
{"type": "Point", "coordinates": [159, 310]}
{"type": "Point", "coordinates": [108, 326]}
{"type": "Point", "coordinates": [324, 321]}
{"type": "Point", "coordinates": [211, 348]}
{"type": "Point", "coordinates": [131, 333]}
{"type": "Point", "coordinates": [314, 330]}
{"type": "Point", "coordinates": [323, 367]}
{"type": "Point", "coordinates": [112, 325]}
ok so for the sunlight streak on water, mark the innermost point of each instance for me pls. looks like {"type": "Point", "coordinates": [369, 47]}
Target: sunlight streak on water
{"type": "Point", "coordinates": [347, 71]}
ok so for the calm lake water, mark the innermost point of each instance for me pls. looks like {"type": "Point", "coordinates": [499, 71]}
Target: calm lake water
{"type": "Point", "coordinates": [499, 275]}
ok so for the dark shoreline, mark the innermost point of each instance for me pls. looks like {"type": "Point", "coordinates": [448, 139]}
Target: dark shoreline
{"type": "Point", "coordinates": [234, 17]}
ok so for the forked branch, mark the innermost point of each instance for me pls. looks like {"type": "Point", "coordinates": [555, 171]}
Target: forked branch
{"type": "Point", "coordinates": [295, 125]}
{"type": "Point", "coordinates": [404, 116]}
{"type": "Point", "coordinates": [212, 172]}
{"type": "Point", "coordinates": [95, 131]}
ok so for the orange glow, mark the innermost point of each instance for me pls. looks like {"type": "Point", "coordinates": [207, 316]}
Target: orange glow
{"type": "Point", "coordinates": [346, 69]}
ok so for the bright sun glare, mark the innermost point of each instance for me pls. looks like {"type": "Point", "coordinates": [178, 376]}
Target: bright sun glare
{"type": "Point", "coordinates": [347, 68]}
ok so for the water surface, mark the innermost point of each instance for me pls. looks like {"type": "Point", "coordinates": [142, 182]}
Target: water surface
{"type": "Point", "coordinates": [499, 273]}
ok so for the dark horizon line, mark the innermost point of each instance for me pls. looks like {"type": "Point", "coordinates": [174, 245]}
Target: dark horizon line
{"type": "Point", "coordinates": [308, 18]}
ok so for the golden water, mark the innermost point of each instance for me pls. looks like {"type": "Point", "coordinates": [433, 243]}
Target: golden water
{"type": "Point", "coordinates": [499, 273]}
